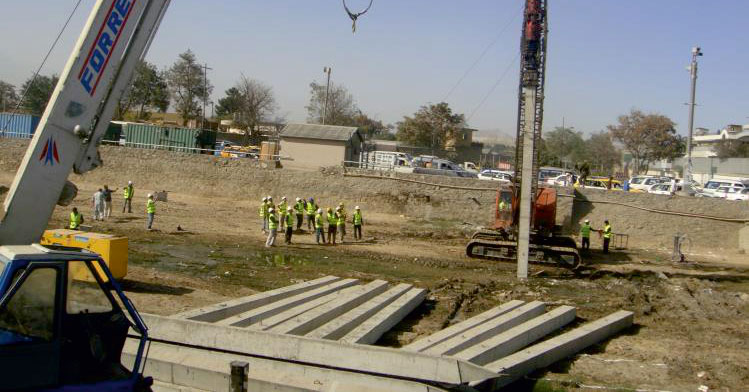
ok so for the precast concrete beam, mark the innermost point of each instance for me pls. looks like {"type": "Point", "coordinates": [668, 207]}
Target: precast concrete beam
{"type": "Point", "coordinates": [216, 312]}
{"type": "Point", "coordinates": [376, 326]}
{"type": "Point", "coordinates": [543, 354]}
{"type": "Point", "coordinates": [314, 318]}
{"type": "Point", "coordinates": [250, 317]}
{"type": "Point", "coordinates": [301, 309]}
{"type": "Point", "coordinates": [315, 352]}
{"type": "Point", "coordinates": [517, 337]}
{"type": "Point", "coordinates": [338, 327]}
{"type": "Point", "coordinates": [461, 327]}
{"type": "Point", "coordinates": [489, 329]}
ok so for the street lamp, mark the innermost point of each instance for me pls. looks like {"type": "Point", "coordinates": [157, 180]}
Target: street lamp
{"type": "Point", "coordinates": [692, 68]}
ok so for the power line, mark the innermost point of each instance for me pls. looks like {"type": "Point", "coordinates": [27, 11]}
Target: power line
{"type": "Point", "coordinates": [486, 50]}
{"type": "Point", "coordinates": [494, 87]}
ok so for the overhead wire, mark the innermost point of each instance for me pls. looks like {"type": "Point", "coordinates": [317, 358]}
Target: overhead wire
{"type": "Point", "coordinates": [494, 87]}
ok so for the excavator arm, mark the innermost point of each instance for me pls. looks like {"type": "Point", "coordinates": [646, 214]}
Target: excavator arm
{"type": "Point", "coordinates": [116, 36]}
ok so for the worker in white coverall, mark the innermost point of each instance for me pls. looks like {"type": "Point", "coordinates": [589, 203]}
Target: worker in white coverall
{"type": "Point", "coordinates": [98, 203]}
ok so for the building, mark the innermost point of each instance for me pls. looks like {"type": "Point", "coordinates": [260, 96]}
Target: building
{"type": "Point", "coordinates": [313, 145]}
{"type": "Point", "coordinates": [703, 141]}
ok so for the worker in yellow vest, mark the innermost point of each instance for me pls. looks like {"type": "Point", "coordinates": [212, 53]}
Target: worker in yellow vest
{"type": "Point", "coordinates": [332, 224]}
{"type": "Point", "coordinates": [341, 222]}
{"type": "Point", "coordinates": [319, 226]}
{"type": "Point", "coordinates": [289, 224]}
{"type": "Point", "coordinates": [272, 227]}
{"type": "Point", "coordinates": [76, 219]}
{"type": "Point", "coordinates": [299, 210]}
{"type": "Point", "coordinates": [585, 234]}
{"type": "Point", "coordinates": [607, 234]}
{"type": "Point", "coordinates": [263, 213]}
{"type": "Point", "coordinates": [150, 211]}
{"type": "Point", "coordinates": [311, 208]}
{"type": "Point", "coordinates": [358, 221]}
{"type": "Point", "coordinates": [282, 206]}
{"type": "Point", "coordinates": [128, 192]}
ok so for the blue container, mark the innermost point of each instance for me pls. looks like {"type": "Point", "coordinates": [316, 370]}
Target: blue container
{"type": "Point", "coordinates": [17, 126]}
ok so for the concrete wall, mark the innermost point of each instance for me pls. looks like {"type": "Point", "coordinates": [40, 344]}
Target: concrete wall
{"type": "Point", "coordinates": [313, 153]}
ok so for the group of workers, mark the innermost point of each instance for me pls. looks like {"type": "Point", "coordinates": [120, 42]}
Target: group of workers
{"type": "Point", "coordinates": [102, 206]}
{"type": "Point", "coordinates": [283, 215]}
{"type": "Point", "coordinates": [606, 232]}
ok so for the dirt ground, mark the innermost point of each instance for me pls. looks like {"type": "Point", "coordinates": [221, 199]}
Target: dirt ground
{"type": "Point", "coordinates": [691, 318]}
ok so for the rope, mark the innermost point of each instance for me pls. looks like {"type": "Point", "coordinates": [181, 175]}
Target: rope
{"type": "Point", "coordinates": [465, 188]}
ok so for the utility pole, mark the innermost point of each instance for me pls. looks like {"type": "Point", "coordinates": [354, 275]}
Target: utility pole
{"type": "Point", "coordinates": [326, 70]}
{"type": "Point", "coordinates": [205, 93]}
{"type": "Point", "coordinates": [693, 73]}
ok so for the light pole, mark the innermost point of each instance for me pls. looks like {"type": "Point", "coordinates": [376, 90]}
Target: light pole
{"type": "Point", "coordinates": [693, 73]}
{"type": "Point", "coordinates": [326, 70]}
{"type": "Point", "coordinates": [205, 93]}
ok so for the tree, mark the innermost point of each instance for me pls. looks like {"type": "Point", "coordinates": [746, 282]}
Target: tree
{"type": "Point", "coordinates": [565, 147]}
{"type": "Point", "coordinates": [602, 153]}
{"type": "Point", "coordinates": [187, 86]}
{"type": "Point", "coordinates": [38, 92]}
{"type": "Point", "coordinates": [147, 92]}
{"type": "Point", "coordinates": [8, 97]}
{"type": "Point", "coordinates": [370, 128]}
{"type": "Point", "coordinates": [728, 148]}
{"type": "Point", "coordinates": [341, 108]}
{"type": "Point", "coordinates": [433, 126]}
{"type": "Point", "coordinates": [648, 137]}
{"type": "Point", "coordinates": [228, 106]}
{"type": "Point", "coordinates": [256, 103]}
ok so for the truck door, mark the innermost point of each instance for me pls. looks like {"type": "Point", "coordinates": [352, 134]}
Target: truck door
{"type": "Point", "coordinates": [29, 329]}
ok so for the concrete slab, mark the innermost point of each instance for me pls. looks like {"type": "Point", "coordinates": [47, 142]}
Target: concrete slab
{"type": "Point", "coordinates": [216, 312]}
{"type": "Point", "coordinates": [543, 354]}
{"type": "Point", "coordinates": [340, 326]}
{"type": "Point", "coordinates": [308, 321]}
{"type": "Point", "coordinates": [459, 328]}
{"type": "Point", "coordinates": [489, 329]}
{"type": "Point", "coordinates": [186, 369]}
{"type": "Point", "coordinates": [315, 352]}
{"type": "Point", "coordinates": [517, 337]}
{"type": "Point", "coordinates": [250, 317]}
{"type": "Point", "coordinates": [371, 330]}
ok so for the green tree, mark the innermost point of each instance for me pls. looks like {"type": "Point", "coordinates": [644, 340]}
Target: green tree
{"type": "Point", "coordinates": [38, 92]}
{"type": "Point", "coordinates": [147, 92]}
{"type": "Point", "coordinates": [341, 107]}
{"type": "Point", "coordinates": [187, 86]}
{"type": "Point", "coordinates": [228, 106]}
{"type": "Point", "coordinates": [728, 148]}
{"type": "Point", "coordinates": [648, 137]}
{"type": "Point", "coordinates": [602, 153]}
{"type": "Point", "coordinates": [433, 126]}
{"type": "Point", "coordinates": [565, 147]}
{"type": "Point", "coordinates": [8, 97]}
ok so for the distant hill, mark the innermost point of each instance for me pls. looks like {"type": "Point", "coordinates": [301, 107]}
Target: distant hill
{"type": "Point", "coordinates": [494, 136]}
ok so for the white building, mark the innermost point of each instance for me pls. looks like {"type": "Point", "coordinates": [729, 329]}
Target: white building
{"type": "Point", "coordinates": [703, 141]}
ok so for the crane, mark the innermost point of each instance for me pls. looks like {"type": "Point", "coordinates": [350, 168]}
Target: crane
{"type": "Point", "coordinates": [528, 224]}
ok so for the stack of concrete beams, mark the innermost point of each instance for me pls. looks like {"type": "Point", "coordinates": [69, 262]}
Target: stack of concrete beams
{"type": "Point", "coordinates": [298, 338]}
{"type": "Point", "coordinates": [330, 308]}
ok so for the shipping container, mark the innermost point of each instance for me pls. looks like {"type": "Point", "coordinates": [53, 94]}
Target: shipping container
{"type": "Point", "coordinates": [114, 132]}
{"type": "Point", "coordinates": [161, 137]}
{"type": "Point", "coordinates": [18, 126]}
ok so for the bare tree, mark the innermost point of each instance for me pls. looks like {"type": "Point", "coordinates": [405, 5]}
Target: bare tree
{"type": "Point", "coordinates": [256, 103]}
{"type": "Point", "coordinates": [8, 97]}
{"type": "Point", "coordinates": [341, 108]}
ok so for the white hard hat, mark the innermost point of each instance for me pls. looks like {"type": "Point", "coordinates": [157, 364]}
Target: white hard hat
{"type": "Point", "coordinates": [356, 208]}
{"type": "Point", "coordinates": [289, 208]}
{"type": "Point", "coordinates": [265, 198]}
{"type": "Point", "coordinates": [130, 183]}
{"type": "Point", "coordinates": [587, 221]}
{"type": "Point", "coordinates": [298, 199]}
{"type": "Point", "coordinates": [338, 208]}
{"type": "Point", "coordinates": [319, 210]}
{"type": "Point", "coordinates": [283, 198]}
{"type": "Point", "coordinates": [270, 209]}
{"type": "Point", "coordinates": [270, 197]}
{"type": "Point", "coordinates": [150, 195]}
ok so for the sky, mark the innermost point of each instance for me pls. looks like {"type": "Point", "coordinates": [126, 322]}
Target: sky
{"type": "Point", "coordinates": [605, 56]}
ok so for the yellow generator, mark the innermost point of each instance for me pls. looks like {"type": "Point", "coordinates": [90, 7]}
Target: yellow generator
{"type": "Point", "coordinates": [112, 249]}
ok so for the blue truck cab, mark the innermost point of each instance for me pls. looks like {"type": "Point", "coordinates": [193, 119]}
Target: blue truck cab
{"type": "Point", "coordinates": [63, 327]}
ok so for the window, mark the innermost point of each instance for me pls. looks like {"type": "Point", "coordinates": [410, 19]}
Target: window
{"type": "Point", "coordinates": [745, 191]}
{"type": "Point", "coordinates": [712, 185]}
{"type": "Point", "coordinates": [30, 312]}
{"type": "Point", "coordinates": [84, 293]}
{"type": "Point", "coordinates": [636, 180]}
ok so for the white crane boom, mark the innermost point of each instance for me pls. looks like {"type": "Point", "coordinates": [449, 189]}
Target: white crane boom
{"type": "Point", "coordinates": [99, 70]}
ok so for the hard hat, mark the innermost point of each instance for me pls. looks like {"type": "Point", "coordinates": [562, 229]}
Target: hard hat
{"type": "Point", "coordinates": [338, 208]}
{"type": "Point", "coordinates": [289, 208]}
{"type": "Point", "coordinates": [270, 197]}
{"type": "Point", "coordinates": [150, 195]}
{"type": "Point", "coordinates": [319, 210]}
{"type": "Point", "coordinates": [587, 221]}
{"type": "Point", "coordinates": [265, 198]}
{"type": "Point", "coordinates": [271, 209]}
{"type": "Point", "coordinates": [298, 199]}
{"type": "Point", "coordinates": [356, 208]}
{"type": "Point", "coordinates": [283, 198]}
{"type": "Point", "coordinates": [130, 183]}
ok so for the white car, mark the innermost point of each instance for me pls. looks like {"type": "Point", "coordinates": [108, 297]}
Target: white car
{"type": "Point", "coordinates": [742, 195]}
{"type": "Point", "coordinates": [563, 180]}
{"type": "Point", "coordinates": [663, 189]}
{"type": "Point", "coordinates": [495, 175]}
{"type": "Point", "coordinates": [712, 186]}
{"type": "Point", "coordinates": [643, 183]}
{"type": "Point", "coordinates": [724, 191]}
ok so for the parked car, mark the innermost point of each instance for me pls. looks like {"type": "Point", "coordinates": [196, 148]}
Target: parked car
{"type": "Point", "coordinates": [663, 189]}
{"type": "Point", "coordinates": [591, 183]}
{"type": "Point", "coordinates": [495, 175]}
{"type": "Point", "coordinates": [712, 186]}
{"type": "Point", "coordinates": [560, 180]}
{"type": "Point", "coordinates": [643, 183]}
{"type": "Point", "coordinates": [742, 195]}
{"type": "Point", "coordinates": [724, 191]}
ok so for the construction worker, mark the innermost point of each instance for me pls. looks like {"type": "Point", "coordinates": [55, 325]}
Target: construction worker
{"type": "Point", "coordinates": [289, 225]}
{"type": "Point", "coordinates": [128, 192]}
{"type": "Point", "coordinates": [585, 234]}
{"type": "Point", "coordinates": [263, 213]}
{"type": "Point", "coordinates": [272, 226]}
{"type": "Point", "coordinates": [357, 221]}
{"type": "Point", "coordinates": [108, 201]}
{"type": "Point", "coordinates": [150, 210]}
{"type": "Point", "coordinates": [319, 227]}
{"type": "Point", "coordinates": [311, 208]}
{"type": "Point", "coordinates": [332, 222]}
{"type": "Point", "coordinates": [76, 219]}
{"type": "Point", "coordinates": [340, 222]}
{"type": "Point", "coordinates": [299, 210]}
{"type": "Point", "coordinates": [502, 205]}
{"type": "Point", "coordinates": [282, 207]}
{"type": "Point", "coordinates": [607, 234]}
{"type": "Point", "coordinates": [98, 202]}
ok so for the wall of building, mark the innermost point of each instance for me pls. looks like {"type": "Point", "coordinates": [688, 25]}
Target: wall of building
{"type": "Point", "coordinates": [313, 153]}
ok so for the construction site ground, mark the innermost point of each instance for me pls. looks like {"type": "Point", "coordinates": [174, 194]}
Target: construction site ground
{"type": "Point", "coordinates": [691, 318]}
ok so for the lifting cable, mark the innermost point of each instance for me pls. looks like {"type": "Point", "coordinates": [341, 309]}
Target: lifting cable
{"type": "Point", "coordinates": [465, 188]}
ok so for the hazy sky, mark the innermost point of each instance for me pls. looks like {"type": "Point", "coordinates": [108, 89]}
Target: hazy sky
{"type": "Point", "coordinates": [605, 56]}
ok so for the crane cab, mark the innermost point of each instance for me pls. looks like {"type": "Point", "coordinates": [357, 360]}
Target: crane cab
{"type": "Point", "coordinates": [63, 323]}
